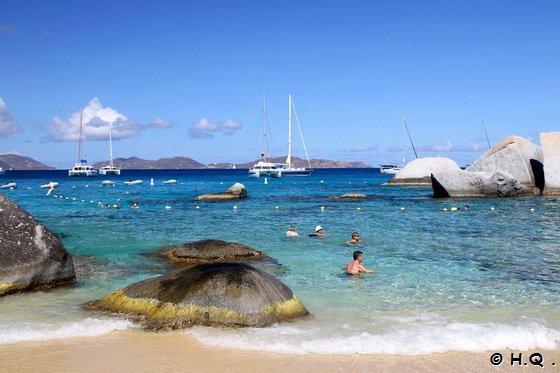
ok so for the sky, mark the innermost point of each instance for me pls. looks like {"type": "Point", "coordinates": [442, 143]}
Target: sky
{"type": "Point", "coordinates": [187, 78]}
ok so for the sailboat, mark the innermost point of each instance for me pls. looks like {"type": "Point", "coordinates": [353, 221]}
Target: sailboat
{"type": "Point", "coordinates": [110, 169]}
{"type": "Point", "coordinates": [81, 168]}
{"type": "Point", "coordinates": [264, 167]}
{"type": "Point", "coordinates": [288, 169]}
{"type": "Point", "coordinates": [387, 168]}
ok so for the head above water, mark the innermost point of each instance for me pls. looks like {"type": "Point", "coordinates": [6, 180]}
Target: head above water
{"type": "Point", "coordinates": [292, 227]}
{"type": "Point", "coordinates": [318, 228]}
{"type": "Point", "coordinates": [357, 254]}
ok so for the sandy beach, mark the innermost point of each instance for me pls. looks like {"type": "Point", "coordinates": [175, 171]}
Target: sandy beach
{"type": "Point", "coordinates": [140, 351]}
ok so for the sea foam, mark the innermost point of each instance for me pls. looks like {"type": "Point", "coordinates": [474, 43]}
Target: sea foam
{"type": "Point", "coordinates": [419, 340]}
{"type": "Point", "coordinates": [90, 327]}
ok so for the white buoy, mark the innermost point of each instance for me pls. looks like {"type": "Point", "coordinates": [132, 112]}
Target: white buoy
{"type": "Point", "coordinates": [491, 208]}
{"type": "Point", "coordinates": [266, 180]}
{"type": "Point", "coordinates": [532, 210]}
{"type": "Point", "coordinates": [358, 208]}
{"type": "Point", "coordinates": [168, 207]}
{"type": "Point", "coordinates": [197, 207]}
{"type": "Point", "coordinates": [322, 208]}
{"type": "Point", "coordinates": [402, 208]}
{"type": "Point", "coordinates": [235, 207]}
{"type": "Point", "coordinates": [277, 207]}
{"type": "Point", "coordinates": [152, 181]}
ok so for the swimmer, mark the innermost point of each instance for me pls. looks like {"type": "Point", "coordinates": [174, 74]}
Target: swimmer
{"type": "Point", "coordinates": [319, 232]}
{"type": "Point", "coordinates": [291, 232]}
{"type": "Point", "coordinates": [355, 238]}
{"type": "Point", "coordinates": [355, 266]}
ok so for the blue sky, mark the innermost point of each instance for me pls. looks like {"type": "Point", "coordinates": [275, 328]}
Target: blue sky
{"type": "Point", "coordinates": [186, 78]}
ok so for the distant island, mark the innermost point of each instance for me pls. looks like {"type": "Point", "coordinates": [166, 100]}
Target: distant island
{"type": "Point", "coordinates": [17, 162]}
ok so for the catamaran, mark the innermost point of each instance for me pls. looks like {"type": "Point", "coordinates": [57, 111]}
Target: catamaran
{"type": "Point", "coordinates": [110, 169]}
{"type": "Point", "coordinates": [263, 167]}
{"type": "Point", "coordinates": [288, 169]}
{"type": "Point", "coordinates": [80, 168]}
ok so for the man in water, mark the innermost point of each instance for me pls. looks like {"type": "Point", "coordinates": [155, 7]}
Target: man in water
{"type": "Point", "coordinates": [291, 232]}
{"type": "Point", "coordinates": [355, 238]}
{"type": "Point", "coordinates": [355, 266]}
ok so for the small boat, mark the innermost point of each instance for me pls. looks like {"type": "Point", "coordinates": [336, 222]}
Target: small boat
{"type": "Point", "coordinates": [107, 183]}
{"type": "Point", "coordinates": [8, 186]}
{"type": "Point", "coordinates": [2, 172]}
{"type": "Point", "coordinates": [133, 182]}
{"type": "Point", "coordinates": [389, 168]}
{"type": "Point", "coordinates": [49, 185]}
{"type": "Point", "coordinates": [171, 181]}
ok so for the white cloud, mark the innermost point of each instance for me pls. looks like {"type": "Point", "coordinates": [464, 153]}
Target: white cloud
{"type": "Point", "coordinates": [444, 146]}
{"type": "Point", "coordinates": [158, 122]}
{"type": "Point", "coordinates": [363, 148]}
{"type": "Point", "coordinates": [204, 129]}
{"type": "Point", "coordinates": [96, 121]}
{"type": "Point", "coordinates": [7, 124]}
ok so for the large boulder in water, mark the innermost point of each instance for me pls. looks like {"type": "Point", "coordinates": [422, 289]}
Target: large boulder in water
{"type": "Point", "coordinates": [550, 145]}
{"type": "Point", "coordinates": [31, 257]}
{"type": "Point", "coordinates": [418, 171]}
{"type": "Point", "coordinates": [517, 157]}
{"type": "Point", "coordinates": [475, 184]}
{"type": "Point", "coordinates": [210, 250]}
{"type": "Point", "coordinates": [231, 294]}
{"type": "Point", "coordinates": [236, 191]}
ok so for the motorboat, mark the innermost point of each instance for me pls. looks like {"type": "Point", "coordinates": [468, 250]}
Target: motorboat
{"type": "Point", "coordinates": [9, 186]}
{"type": "Point", "coordinates": [389, 168]}
{"type": "Point", "coordinates": [133, 182]}
{"type": "Point", "coordinates": [108, 183]}
{"type": "Point", "coordinates": [49, 185]}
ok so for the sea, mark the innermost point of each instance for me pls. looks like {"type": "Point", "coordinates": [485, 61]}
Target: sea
{"type": "Point", "coordinates": [447, 278]}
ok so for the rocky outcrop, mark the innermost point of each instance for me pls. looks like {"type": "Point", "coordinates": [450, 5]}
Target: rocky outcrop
{"type": "Point", "coordinates": [475, 184]}
{"type": "Point", "coordinates": [517, 157]}
{"type": "Point", "coordinates": [231, 294]}
{"type": "Point", "coordinates": [209, 251]}
{"type": "Point", "coordinates": [236, 191]}
{"type": "Point", "coordinates": [31, 257]}
{"type": "Point", "coordinates": [550, 145]}
{"type": "Point", "coordinates": [351, 196]}
{"type": "Point", "coordinates": [418, 171]}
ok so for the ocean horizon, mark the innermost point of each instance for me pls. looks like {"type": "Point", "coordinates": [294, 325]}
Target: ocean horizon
{"type": "Point", "coordinates": [474, 280]}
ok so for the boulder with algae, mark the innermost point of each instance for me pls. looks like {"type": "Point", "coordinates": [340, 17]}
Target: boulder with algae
{"type": "Point", "coordinates": [211, 250]}
{"type": "Point", "coordinates": [236, 191]}
{"type": "Point", "coordinates": [31, 257]}
{"type": "Point", "coordinates": [230, 294]}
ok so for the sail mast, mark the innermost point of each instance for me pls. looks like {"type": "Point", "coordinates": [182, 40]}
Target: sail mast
{"type": "Point", "coordinates": [486, 135]}
{"type": "Point", "coordinates": [403, 141]}
{"type": "Point", "coordinates": [289, 158]}
{"type": "Point", "coordinates": [110, 147]}
{"type": "Point", "coordinates": [80, 139]}
{"type": "Point", "coordinates": [265, 154]}
{"type": "Point", "coordinates": [410, 138]}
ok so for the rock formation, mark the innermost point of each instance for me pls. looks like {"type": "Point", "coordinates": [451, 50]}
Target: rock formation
{"type": "Point", "coordinates": [231, 294]}
{"type": "Point", "coordinates": [418, 171]}
{"type": "Point", "coordinates": [516, 156]}
{"type": "Point", "coordinates": [475, 184]}
{"type": "Point", "coordinates": [236, 191]}
{"type": "Point", "coordinates": [550, 144]}
{"type": "Point", "coordinates": [350, 196]}
{"type": "Point", "coordinates": [31, 257]}
{"type": "Point", "coordinates": [209, 251]}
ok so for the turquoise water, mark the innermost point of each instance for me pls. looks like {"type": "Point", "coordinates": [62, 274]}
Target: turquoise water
{"type": "Point", "coordinates": [475, 280]}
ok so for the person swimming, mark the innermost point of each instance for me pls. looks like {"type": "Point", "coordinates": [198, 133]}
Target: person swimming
{"type": "Point", "coordinates": [355, 238]}
{"type": "Point", "coordinates": [355, 266]}
{"type": "Point", "coordinates": [319, 232]}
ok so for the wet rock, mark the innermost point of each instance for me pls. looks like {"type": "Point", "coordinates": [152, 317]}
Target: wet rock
{"type": "Point", "coordinates": [210, 250]}
{"type": "Point", "coordinates": [351, 196]}
{"type": "Point", "coordinates": [31, 257]}
{"type": "Point", "coordinates": [230, 294]}
{"type": "Point", "coordinates": [236, 191]}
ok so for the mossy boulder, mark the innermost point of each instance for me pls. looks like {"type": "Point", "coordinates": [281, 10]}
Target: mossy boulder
{"type": "Point", "coordinates": [31, 257]}
{"type": "Point", "coordinates": [211, 250]}
{"type": "Point", "coordinates": [226, 294]}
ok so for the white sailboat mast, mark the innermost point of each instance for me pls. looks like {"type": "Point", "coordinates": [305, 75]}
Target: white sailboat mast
{"type": "Point", "coordinates": [110, 147]}
{"type": "Point", "coordinates": [289, 158]}
{"type": "Point", "coordinates": [265, 154]}
{"type": "Point", "coordinates": [80, 140]}
{"type": "Point", "coordinates": [404, 141]}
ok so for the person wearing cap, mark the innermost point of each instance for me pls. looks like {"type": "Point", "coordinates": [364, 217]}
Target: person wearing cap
{"type": "Point", "coordinates": [319, 232]}
{"type": "Point", "coordinates": [291, 232]}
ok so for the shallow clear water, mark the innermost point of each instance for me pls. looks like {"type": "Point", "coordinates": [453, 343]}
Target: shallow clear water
{"type": "Point", "coordinates": [473, 280]}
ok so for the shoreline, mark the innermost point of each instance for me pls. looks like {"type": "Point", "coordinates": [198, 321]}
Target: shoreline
{"type": "Point", "coordinates": [143, 351]}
